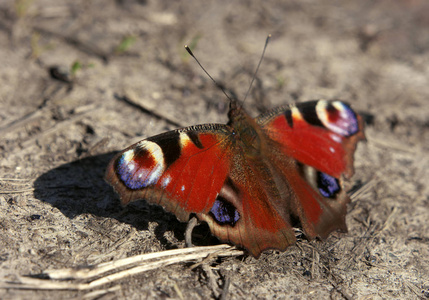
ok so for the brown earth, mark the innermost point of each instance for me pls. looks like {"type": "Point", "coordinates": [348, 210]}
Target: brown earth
{"type": "Point", "coordinates": [59, 128]}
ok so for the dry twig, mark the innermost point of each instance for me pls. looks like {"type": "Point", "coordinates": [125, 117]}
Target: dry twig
{"type": "Point", "coordinates": [106, 273]}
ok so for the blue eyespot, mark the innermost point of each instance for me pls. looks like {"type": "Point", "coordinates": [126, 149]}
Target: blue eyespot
{"type": "Point", "coordinates": [224, 212]}
{"type": "Point", "coordinates": [328, 185]}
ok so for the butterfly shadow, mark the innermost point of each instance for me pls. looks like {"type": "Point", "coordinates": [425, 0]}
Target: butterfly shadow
{"type": "Point", "coordinates": [78, 187]}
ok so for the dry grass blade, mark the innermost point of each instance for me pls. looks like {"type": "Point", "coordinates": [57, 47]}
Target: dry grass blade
{"type": "Point", "coordinates": [178, 254]}
{"type": "Point", "coordinates": [367, 186]}
{"type": "Point", "coordinates": [17, 191]}
{"type": "Point", "coordinates": [119, 269]}
{"type": "Point", "coordinates": [130, 98]}
{"type": "Point", "coordinates": [15, 186]}
{"type": "Point", "coordinates": [21, 122]}
{"type": "Point", "coordinates": [100, 293]}
{"type": "Point", "coordinates": [391, 145]}
{"type": "Point", "coordinates": [61, 125]}
{"type": "Point", "coordinates": [15, 179]}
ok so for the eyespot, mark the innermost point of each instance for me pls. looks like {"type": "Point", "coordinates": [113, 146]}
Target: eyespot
{"type": "Point", "coordinates": [224, 212]}
{"type": "Point", "coordinates": [141, 166]}
{"type": "Point", "coordinates": [328, 186]}
{"type": "Point", "coordinates": [338, 117]}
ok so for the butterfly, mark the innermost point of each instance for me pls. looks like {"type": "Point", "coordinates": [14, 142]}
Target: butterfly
{"type": "Point", "coordinates": [253, 179]}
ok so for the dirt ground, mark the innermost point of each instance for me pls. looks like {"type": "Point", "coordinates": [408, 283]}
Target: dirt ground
{"type": "Point", "coordinates": [80, 80]}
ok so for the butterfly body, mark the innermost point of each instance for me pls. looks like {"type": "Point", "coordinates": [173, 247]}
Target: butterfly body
{"type": "Point", "coordinates": [251, 180]}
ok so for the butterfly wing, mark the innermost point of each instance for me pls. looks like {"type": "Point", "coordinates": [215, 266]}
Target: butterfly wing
{"type": "Point", "coordinates": [181, 170]}
{"type": "Point", "coordinates": [321, 136]}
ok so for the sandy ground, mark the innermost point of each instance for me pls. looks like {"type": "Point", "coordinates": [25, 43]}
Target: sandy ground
{"type": "Point", "coordinates": [59, 127]}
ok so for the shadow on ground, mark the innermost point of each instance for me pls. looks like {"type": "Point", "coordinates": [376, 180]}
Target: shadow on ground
{"type": "Point", "coordinates": [79, 188]}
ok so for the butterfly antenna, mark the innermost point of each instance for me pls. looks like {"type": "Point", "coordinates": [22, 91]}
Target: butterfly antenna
{"type": "Point", "coordinates": [257, 68]}
{"type": "Point", "coordinates": [215, 82]}
{"type": "Point", "coordinates": [221, 87]}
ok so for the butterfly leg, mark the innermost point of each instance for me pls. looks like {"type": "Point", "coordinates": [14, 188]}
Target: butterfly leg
{"type": "Point", "coordinates": [188, 233]}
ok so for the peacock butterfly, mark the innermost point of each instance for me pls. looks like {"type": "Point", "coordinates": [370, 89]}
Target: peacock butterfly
{"type": "Point", "coordinates": [251, 179]}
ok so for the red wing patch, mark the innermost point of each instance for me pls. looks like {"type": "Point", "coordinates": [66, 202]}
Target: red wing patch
{"type": "Point", "coordinates": [320, 134]}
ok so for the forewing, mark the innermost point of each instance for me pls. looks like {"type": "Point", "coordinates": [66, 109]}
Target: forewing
{"type": "Point", "coordinates": [181, 170]}
{"type": "Point", "coordinates": [321, 134]}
